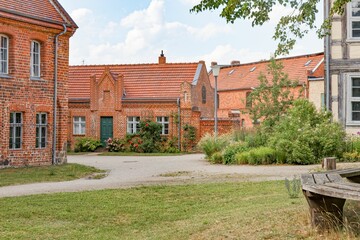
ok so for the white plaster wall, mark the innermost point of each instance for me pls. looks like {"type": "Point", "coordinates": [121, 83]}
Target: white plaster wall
{"type": "Point", "coordinates": [316, 88]}
{"type": "Point", "coordinates": [336, 31]}
{"type": "Point", "coordinates": [354, 51]}
{"type": "Point", "coordinates": [336, 52]}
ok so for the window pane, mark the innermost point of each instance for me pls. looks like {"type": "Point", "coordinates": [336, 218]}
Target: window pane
{"type": "Point", "coordinates": [12, 117]}
{"type": "Point", "coordinates": [356, 116]}
{"type": "Point", "coordinates": [356, 33]}
{"type": "Point", "coordinates": [43, 118]}
{"type": "Point", "coordinates": [356, 92]}
{"type": "Point", "coordinates": [18, 118]}
{"type": "Point", "coordinates": [356, 106]}
{"type": "Point", "coordinates": [355, 12]}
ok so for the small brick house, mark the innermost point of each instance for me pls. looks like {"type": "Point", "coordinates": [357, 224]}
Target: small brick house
{"type": "Point", "coordinates": [236, 81]}
{"type": "Point", "coordinates": [29, 31]}
{"type": "Point", "coordinates": [108, 101]}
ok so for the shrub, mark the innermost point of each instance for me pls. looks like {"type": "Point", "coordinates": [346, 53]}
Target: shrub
{"type": "Point", "coordinates": [169, 145]}
{"type": "Point", "coordinates": [242, 157]}
{"type": "Point", "coordinates": [117, 145]}
{"type": "Point", "coordinates": [86, 144]}
{"type": "Point", "coordinates": [231, 150]}
{"type": "Point", "coordinates": [150, 135]}
{"type": "Point", "coordinates": [210, 145]}
{"type": "Point", "coordinates": [189, 138]}
{"type": "Point", "coordinates": [216, 158]}
{"type": "Point", "coordinates": [305, 135]}
{"type": "Point", "coordinates": [262, 155]}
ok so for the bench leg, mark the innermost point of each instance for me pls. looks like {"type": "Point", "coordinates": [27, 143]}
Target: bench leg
{"type": "Point", "coordinates": [326, 212]}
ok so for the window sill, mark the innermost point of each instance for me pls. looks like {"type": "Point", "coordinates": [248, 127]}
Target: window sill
{"type": "Point", "coordinates": [15, 149]}
{"type": "Point", "coordinates": [37, 79]}
{"type": "Point", "coordinates": [353, 40]}
{"type": "Point", "coordinates": [5, 76]}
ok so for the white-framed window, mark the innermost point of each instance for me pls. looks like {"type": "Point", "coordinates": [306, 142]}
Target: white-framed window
{"type": "Point", "coordinates": [354, 19]}
{"type": "Point", "coordinates": [41, 130]}
{"type": "Point", "coordinates": [79, 125]}
{"type": "Point", "coordinates": [353, 99]}
{"type": "Point", "coordinates": [16, 129]}
{"type": "Point", "coordinates": [164, 121]}
{"type": "Point", "coordinates": [4, 54]}
{"type": "Point", "coordinates": [133, 125]}
{"type": "Point", "coordinates": [35, 59]}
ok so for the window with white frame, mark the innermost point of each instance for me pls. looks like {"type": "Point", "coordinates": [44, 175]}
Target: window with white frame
{"type": "Point", "coordinates": [164, 121]}
{"type": "Point", "coordinates": [41, 130]}
{"type": "Point", "coordinates": [35, 59]}
{"type": "Point", "coordinates": [79, 126]}
{"type": "Point", "coordinates": [4, 54]}
{"type": "Point", "coordinates": [133, 125]}
{"type": "Point", "coordinates": [16, 129]}
{"type": "Point", "coordinates": [354, 19]}
{"type": "Point", "coordinates": [353, 103]}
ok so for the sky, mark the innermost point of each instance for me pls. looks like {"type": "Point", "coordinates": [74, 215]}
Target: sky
{"type": "Point", "coordinates": [135, 31]}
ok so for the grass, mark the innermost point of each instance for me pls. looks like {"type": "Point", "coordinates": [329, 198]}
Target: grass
{"type": "Point", "coordinates": [66, 172]}
{"type": "Point", "coordinates": [259, 210]}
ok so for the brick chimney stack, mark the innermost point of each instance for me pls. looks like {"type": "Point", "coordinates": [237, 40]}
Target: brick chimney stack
{"type": "Point", "coordinates": [162, 58]}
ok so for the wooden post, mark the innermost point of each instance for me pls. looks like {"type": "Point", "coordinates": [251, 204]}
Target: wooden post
{"type": "Point", "coordinates": [329, 163]}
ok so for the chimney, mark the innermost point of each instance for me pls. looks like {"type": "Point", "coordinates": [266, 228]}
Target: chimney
{"type": "Point", "coordinates": [213, 63]}
{"type": "Point", "coordinates": [162, 58]}
{"type": "Point", "coordinates": [235, 62]}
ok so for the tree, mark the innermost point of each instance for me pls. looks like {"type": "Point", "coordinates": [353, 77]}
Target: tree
{"type": "Point", "coordinates": [273, 96]}
{"type": "Point", "coordinates": [289, 28]}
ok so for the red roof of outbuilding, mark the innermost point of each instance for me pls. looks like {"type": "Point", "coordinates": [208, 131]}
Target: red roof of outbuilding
{"type": "Point", "coordinates": [140, 80]}
{"type": "Point", "coordinates": [245, 76]}
{"type": "Point", "coordinates": [41, 10]}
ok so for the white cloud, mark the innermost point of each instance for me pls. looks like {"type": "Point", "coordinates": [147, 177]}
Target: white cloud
{"type": "Point", "coordinates": [80, 14]}
{"type": "Point", "coordinates": [190, 2]}
{"type": "Point", "coordinates": [224, 54]}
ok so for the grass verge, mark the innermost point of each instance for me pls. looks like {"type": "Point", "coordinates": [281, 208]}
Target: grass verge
{"type": "Point", "coordinates": [138, 154]}
{"type": "Point", "coordinates": [260, 210]}
{"type": "Point", "coordinates": [57, 173]}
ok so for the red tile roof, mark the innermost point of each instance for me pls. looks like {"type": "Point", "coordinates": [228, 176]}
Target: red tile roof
{"type": "Point", "coordinates": [140, 80]}
{"type": "Point", "coordinates": [42, 10]}
{"type": "Point", "coordinates": [245, 76]}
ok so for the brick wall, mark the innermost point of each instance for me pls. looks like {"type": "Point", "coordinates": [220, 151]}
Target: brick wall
{"type": "Point", "coordinates": [21, 94]}
{"type": "Point", "coordinates": [224, 126]}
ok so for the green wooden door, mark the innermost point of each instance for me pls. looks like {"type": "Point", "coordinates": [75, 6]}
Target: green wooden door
{"type": "Point", "coordinates": [106, 129]}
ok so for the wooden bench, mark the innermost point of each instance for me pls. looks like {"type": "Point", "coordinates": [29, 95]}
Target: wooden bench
{"type": "Point", "coordinates": [326, 193]}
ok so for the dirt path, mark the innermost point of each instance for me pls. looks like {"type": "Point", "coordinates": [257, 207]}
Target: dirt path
{"type": "Point", "coordinates": [127, 172]}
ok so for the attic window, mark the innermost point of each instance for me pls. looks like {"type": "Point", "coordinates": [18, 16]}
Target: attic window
{"type": "Point", "coordinates": [253, 69]}
{"type": "Point", "coordinates": [232, 71]}
{"type": "Point", "coordinates": [307, 63]}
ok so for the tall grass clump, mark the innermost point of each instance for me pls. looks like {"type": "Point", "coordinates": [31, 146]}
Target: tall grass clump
{"type": "Point", "coordinates": [210, 145]}
{"type": "Point", "coordinates": [231, 150]}
{"type": "Point", "coordinates": [255, 156]}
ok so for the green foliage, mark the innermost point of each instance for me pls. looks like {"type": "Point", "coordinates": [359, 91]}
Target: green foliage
{"type": "Point", "coordinates": [255, 156]}
{"type": "Point", "coordinates": [351, 156]}
{"type": "Point", "coordinates": [272, 97]}
{"type": "Point", "coordinates": [290, 27]}
{"type": "Point", "coordinates": [150, 135]}
{"type": "Point", "coordinates": [231, 150]}
{"type": "Point", "coordinates": [216, 158]}
{"type": "Point", "coordinates": [169, 145]}
{"type": "Point", "coordinates": [86, 144]}
{"type": "Point", "coordinates": [305, 136]}
{"type": "Point", "coordinates": [293, 187]}
{"type": "Point", "coordinates": [189, 138]}
{"type": "Point", "coordinates": [117, 145]}
{"type": "Point", "coordinates": [210, 145]}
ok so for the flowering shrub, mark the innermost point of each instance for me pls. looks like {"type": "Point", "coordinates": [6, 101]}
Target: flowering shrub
{"type": "Point", "coordinates": [116, 145]}
{"type": "Point", "coordinates": [86, 144]}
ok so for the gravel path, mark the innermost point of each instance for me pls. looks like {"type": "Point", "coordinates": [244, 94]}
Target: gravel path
{"type": "Point", "coordinates": [126, 172]}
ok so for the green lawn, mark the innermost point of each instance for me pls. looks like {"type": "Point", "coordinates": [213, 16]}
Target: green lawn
{"type": "Point", "coordinates": [66, 172]}
{"type": "Point", "coordinates": [259, 210]}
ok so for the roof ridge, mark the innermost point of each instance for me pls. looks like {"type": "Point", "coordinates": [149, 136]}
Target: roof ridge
{"type": "Point", "coordinates": [63, 13]}
{"type": "Point", "coordinates": [266, 61]}
{"type": "Point", "coordinates": [132, 64]}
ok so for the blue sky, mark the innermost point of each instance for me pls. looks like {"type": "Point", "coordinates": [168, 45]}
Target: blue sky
{"type": "Point", "coordinates": [135, 31]}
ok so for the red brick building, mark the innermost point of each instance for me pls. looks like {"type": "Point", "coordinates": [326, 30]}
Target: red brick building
{"type": "Point", "coordinates": [30, 64]}
{"type": "Point", "coordinates": [108, 101]}
{"type": "Point", "coordinates": [236, 81]}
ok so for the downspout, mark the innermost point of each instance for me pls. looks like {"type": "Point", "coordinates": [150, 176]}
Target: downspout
{"type": "Point", "coordinates": [179, 124]}
{"type": "Point", "coordinates": [327, 61]}
{"type": "Point", "coordinates": [55, 93]}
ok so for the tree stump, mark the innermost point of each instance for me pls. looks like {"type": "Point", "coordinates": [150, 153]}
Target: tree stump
{"type": "Point", "coordinates": [329, 163]}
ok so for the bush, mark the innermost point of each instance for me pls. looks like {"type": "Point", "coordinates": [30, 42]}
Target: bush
{"type": "Point", "coordinates": [261, 155]}
{"type": "Point", "coordinates": [86, 144]}
{"type": "Point", "coordinates": [305, 135]}
{"type": "Point", "coordinates": [169, 145]}
{"type": "Point", "coordinates": [216, 158]}
{"type": "Point", "coordinates": [117, 145]}
{"type": "Point", "coordinates": [210, 145]}
{"type": "Point", "coordinates": [231, 150]}
{"type": "Point", "coordinates": [150, 135]}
